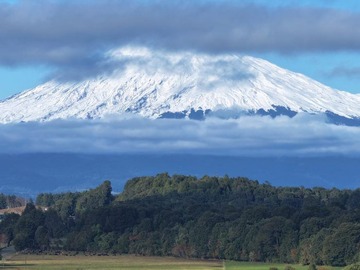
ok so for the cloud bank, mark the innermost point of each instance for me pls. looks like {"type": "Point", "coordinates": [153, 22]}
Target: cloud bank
{"type": "Point", "coordinates": [75, 34]}
{"type": "Point", "coordinates": [248, 136]}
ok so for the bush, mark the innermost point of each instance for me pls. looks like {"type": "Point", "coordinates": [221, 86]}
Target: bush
{"type": "Point", "coordinates": [312, 266]}
{"type": "Point", "coordinates": [288, 267]}
{"type": "Point", "coordinates": [355, 266]}
{"type": "Point", "coordinates": [273, 268]}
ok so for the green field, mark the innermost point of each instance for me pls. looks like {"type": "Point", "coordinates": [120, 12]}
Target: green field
{"type": "Point", "coordinates": [23, 262]}
{"type": "Point", "coordinates": [128, 262]}
{"type": "Point", "coordinates": [265, 266]}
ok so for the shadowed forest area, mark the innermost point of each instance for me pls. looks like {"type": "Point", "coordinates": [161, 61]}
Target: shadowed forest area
{"type": "Point", "coordinates": [183, 216]}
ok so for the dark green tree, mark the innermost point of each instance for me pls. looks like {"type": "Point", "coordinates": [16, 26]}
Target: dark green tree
{"type": "Point", "coordinates": [3, 203]}
{"type": "Point", "coordinates": [95, 198]}
{"type": "Point", "coordinates": [7, 226]}
{"type": "Point", "coordinates": [26, 227]}
{"type": "Point", "coordinates": [56, 227]}
{"type": "Point", "coordinates": [341, 247]}
{"type": "Point", "coordinates": [42, 238]}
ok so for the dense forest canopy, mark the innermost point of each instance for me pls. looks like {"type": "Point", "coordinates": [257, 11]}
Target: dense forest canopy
{"type": "Point", "coordinates": [211, 217]}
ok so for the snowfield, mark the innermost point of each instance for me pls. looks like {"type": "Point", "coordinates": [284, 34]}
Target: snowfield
{"type": "Point", "coordinates": [156, 84]}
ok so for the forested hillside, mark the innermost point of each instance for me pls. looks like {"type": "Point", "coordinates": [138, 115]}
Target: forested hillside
{"type": "Point", "coordinates": [11, 201]}
{"type": "Point", "coordinates": [211, 217]}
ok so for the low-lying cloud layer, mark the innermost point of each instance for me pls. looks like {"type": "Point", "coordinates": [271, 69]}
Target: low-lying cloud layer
{"type": "Point", "coordinates": [248, 136]}
{"type": "Point", "coordinates": [75, 34]}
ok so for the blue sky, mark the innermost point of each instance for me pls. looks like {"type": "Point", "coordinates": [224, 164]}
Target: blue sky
{"type": "Point", "coordinates": [68, 39]}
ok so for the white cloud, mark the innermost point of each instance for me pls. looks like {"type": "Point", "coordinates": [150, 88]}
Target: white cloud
{"type": "Point", "coordinates": [302, 135]}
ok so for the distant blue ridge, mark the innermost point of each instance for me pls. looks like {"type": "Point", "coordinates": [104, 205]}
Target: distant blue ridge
{"type": "Point", "coordinates": [31, 174]}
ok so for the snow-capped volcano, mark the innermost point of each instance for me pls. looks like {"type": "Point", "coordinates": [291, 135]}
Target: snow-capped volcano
{"type": "Point", "coordinates": [162, 84]}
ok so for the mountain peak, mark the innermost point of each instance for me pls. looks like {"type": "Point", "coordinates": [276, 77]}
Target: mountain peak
{"type": "Point", "coordinates": [157, 84]}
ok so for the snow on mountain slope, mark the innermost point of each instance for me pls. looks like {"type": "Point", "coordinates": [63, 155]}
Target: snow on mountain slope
{"type": "Point", "coordinates": [154, 83]}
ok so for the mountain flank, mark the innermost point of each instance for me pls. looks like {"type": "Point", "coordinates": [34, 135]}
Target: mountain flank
{"type": "Point", "coordinates": [158, 84]}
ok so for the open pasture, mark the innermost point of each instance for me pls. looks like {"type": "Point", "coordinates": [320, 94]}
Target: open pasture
{"type": "Point", "coordinates": [130, 262]}
{"type": "Point", "coordinates": [231, 265]}
{"type": "Point", "coordinates": [127, 262]}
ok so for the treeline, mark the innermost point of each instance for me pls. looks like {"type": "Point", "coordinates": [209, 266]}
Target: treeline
{"type": "Point", "coordinates": [11, 201]}
{"type": "Point", "coordinates": [211, 217]}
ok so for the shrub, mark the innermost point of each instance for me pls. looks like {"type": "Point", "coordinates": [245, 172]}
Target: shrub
{"type": "Point", "coordinates": [355, 266]}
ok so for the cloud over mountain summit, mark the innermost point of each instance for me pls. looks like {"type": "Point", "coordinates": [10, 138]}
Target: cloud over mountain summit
{"type": "Point", "coordinates": [74, 35]}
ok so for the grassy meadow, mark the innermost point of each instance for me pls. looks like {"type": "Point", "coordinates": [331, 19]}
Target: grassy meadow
{"type": "Point", "coordinates": [128, 262]}
{"type": "Point", "coordinates": [230, 265]}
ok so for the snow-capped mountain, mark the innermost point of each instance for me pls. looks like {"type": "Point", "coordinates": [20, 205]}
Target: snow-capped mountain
{"type": "Point", "coordinates": [159, 84]}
